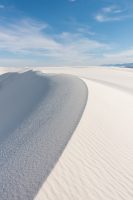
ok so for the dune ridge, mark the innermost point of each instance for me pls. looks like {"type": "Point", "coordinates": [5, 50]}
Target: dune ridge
{"type": "Point", "coordinates": [92, 159]}
{"type": "Point", "coordinates": [39, 114]}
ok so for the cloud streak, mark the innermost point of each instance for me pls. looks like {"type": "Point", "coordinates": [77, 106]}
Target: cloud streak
{"type": "Point", "coordinates": [29, 43]}
{"type": "Point", "coordinates": [119, 57]}
{"type": "Point", "coordinates": [111, 13]}
{"type": "Point", "coordinates": [29, 38]}
{"type": "Point", "coordinates": [25, 36]}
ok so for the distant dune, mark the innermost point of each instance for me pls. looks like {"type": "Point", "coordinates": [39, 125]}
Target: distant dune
{"type": "Point", "coordinates": [66, 133]}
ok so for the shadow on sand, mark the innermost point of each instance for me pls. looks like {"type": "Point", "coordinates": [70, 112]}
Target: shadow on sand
{"type": "Point", "coordinates": [38, 114]}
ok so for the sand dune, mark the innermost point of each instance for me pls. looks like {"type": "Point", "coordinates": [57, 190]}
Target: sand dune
{"type": "Point", "coordinates": [49, 152]}
{"type": "Point", "coordinates": [97, 162]}
{"type": "Point", "coordinates": [38, 116]}
{"type": "Point", "coordinates": [116, 76]}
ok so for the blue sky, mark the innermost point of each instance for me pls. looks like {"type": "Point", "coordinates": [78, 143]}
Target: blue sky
{"type": "Point", "coordinates": [65, 32]}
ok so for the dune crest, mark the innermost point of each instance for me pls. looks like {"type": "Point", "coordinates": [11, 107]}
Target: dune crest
{"type": "Point", "coordinates": [38, 116]}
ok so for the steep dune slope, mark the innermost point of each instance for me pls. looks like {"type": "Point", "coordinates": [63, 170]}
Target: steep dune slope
{"type": "Point", "coordinates": [95, 160]}
{"type": "Point", "coordinates": [38, 115]}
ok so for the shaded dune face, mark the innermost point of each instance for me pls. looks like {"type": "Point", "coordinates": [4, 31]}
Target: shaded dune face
{"type": "Point", "coordinates": [38, 114]}
{"type": "Point", "coordinates": [19, 95]}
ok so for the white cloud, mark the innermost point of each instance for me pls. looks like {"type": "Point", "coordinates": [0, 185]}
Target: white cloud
{"type": "Point", "coordinates": [27, 43]}
{"type": "Point", "coordinates": [79, 27]}
{"type": "Point", "coordinates": [119, 57]}
{"type": "Point", "coordinates": [111, 13]}
{"type": "Point", "coordinates": [28, 38]}
{"type": "Point", "coordinates": [25, 36]}
{"type": "Point", "coordinates": [84, 29]}
{"type": "Point", "coordinates": [104, 18]}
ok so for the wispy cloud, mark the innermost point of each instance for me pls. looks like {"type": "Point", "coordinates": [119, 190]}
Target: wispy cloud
{"type": "Point", "coordinates": [28, 37]}
{"type": "Point", "coordinates": [25, 36]}
{"type": "Point", "coordinates": [84, 29]}
{"type": "Point", "coordinates": [119, 57]}
{"type": "Point", "coordinates": [28, 42]}
{"type": "Point", "coordinates": [2, 6]}
{"type": "Point", "coordinates": [72, 0]}
{"type": "Point", "coordinates": [111, 13]}
{"type": "Point", "coordinates": [79, 27]}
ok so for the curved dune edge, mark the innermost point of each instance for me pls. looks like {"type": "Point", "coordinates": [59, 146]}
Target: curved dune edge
{"type": "Point", "coordinates": [97, 163]}
{"type": "Point", "coordinates": [39, 114]}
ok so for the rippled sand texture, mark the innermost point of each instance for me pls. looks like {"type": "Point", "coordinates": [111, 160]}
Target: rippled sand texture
{"type": "Point", "coordinates": [66, 137]}
{"type": "Point", "coordinates": [97, 163]}
{"type": "Point", "coordinates": [38, 115]}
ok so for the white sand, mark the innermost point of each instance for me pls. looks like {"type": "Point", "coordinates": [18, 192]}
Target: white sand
{"type": "Point", "coordinates": [38, 115]}
{"type": "Point", "coordinates": [97, 163]}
